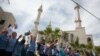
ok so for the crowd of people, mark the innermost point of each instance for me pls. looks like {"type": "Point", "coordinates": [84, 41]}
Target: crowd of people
{"type": "Point", "coordinates": [11, 46]}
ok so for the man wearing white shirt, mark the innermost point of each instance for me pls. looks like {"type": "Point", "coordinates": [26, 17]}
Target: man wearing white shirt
{"type": "Point", "coordinates": [11, 29]}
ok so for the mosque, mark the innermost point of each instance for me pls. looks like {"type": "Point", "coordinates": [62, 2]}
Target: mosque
{"type": "Point", "coordinates": [78, 33]}
{"type": "Point", "coordinates": [7, 18]}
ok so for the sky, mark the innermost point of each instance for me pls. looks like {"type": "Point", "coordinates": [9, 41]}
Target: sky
{"type": "Point", "coordinates": [60, 12]}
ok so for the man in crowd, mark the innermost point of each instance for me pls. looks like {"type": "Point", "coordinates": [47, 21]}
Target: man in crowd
{"type": "Point", "coordinates": [41, 47]}
{"type": "Point", "coordinates": [11, 43]}
{"type": "Point", "coordinates": [31, 47]}
{"type": "Point", "coordinates": [18, 46]}
{"type": "Point", "coordinates": [3, 43]}
{"type": "Point", "coordinates": [61, 52]}
{"type": "Point", "coordinates": [11, 29]}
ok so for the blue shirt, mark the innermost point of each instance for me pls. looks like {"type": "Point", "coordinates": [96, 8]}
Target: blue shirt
{"type": "Point", "coordinates": [47, 50]}
{"type": "Point", "coordinates": [40, 48]}
{"type": "Point", "coordinates": [3, 41]}
{"type": "Point", "coordinates": [61, 52]}
{"type": "Point", "coordinates": [55, 51]}
{"type": "Point", "coordinates": [77, 54]}
{"type": "Point", "coordinates": [11, 45]}
{"type": "Point", "coordinates": [31, 47]}
{"type": "Point", "coordinates": [18, 48]}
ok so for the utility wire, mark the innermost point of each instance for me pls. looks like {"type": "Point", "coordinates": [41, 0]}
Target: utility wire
{"type": "Point", "coordinates": [86, 10]}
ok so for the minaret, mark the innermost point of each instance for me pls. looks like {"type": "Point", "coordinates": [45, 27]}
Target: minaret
{"type": "Point", "coordinates": [35, 30]}
{"type": "Point", "coordinates": [77, 17]}
{"type": "Point", "coordinates": [49, 25]}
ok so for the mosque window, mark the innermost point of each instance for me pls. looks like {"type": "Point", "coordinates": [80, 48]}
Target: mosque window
{"type": "Point", "coordinates": [65, 36]}
{"type": "Point", "coordinates": [72, 37]}
{"type": "Point", "coordinates": [89, 39]}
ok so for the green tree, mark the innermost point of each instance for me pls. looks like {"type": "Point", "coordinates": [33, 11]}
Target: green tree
{"type": "Point", "coordinates": [89, 43]}
{"type": "Point", "coordinates": [51, 36]}
{"type": "Point", "coordinates": [77, 42]}
{"type": "Point", "coordinates": [47, 32]}
{"type": "Point", "coordinates": [82, 46]}
{"type": "Point", "coordinates": [97, 49]}
{"type": "Point", "coordinates": [55, 33]}
{"type": "Point", "coordinates": [54, 36]}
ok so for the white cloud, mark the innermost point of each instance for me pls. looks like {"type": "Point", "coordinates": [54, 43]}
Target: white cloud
{"type": "Point", "coordinates": [60, 12]}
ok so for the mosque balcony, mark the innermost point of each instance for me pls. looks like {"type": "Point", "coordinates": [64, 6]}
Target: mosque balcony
{"type": "Point", "coordinates": [40, 10]}
{"type": "Point", "coordinates": [36, 22]}
{"type": "Point", "coordinates": [77, 21]}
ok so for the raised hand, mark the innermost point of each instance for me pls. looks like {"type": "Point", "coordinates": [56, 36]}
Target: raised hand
{"type": "Point", "coordinates": [19, 37]}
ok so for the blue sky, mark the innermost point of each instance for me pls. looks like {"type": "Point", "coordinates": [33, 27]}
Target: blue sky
{"type": "Point", "coordinates": [59, 12]}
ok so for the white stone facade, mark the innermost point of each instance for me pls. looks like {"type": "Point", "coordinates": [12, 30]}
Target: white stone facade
{"type": "Point", "coordinates": [9, 19]}
{"type": "Point", "coordinates": [77, 33]}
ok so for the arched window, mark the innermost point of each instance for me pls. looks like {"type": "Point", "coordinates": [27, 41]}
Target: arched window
{"type": "Point", "coordinates": [89, 42]}
{"type": "Point", "coordinates": [65, 36]}
{"type": "Point", "coordinates": [89, 39]}
{"type": "Point", "coordinates": [72, 37]}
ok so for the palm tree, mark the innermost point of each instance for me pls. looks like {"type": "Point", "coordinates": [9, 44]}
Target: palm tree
{"type": "Point", "coordinates": [55, 33]}
{"type": "Point", "coordinates": [47, 32]}
{"type": "Point", "coordinates": [51, 35]}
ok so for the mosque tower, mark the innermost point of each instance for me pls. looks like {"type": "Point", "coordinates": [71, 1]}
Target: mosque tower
{"type": "Point", "coordinates": [77, 17]}
{"type": "Point", "coordinates": [36, 23]}
{"type": "Point", "coordinates": [80, 32]}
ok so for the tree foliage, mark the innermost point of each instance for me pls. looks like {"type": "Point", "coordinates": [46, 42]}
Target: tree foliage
{"type": "Point", "coordinates": [77, 42]}
{"type": "Point", "coordinates": [50, 34]}
{"type": "Point", "coordinates": [89, 43]}
{"type": "Point", "coordinates": [97, 49]}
